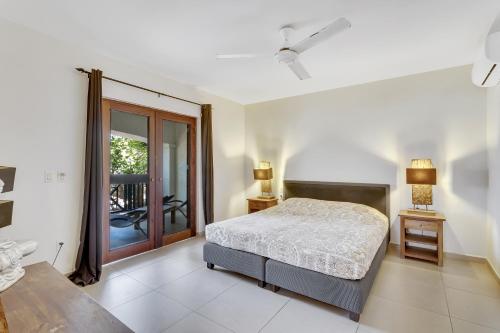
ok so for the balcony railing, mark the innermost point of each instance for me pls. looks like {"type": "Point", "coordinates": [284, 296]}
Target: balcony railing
{"type": "Point", "coordinates": [128, 192]}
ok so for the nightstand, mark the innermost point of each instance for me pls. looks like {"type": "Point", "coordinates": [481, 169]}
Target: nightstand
{"type": "Point", "coordinates": [256, 204]}
{"type": "Point", "coordinates": [420, 222]}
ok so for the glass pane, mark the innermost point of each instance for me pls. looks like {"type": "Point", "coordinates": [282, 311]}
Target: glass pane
{"type": "Point", "coordinates": [129, 175]}
{"type": "Point", "coordinates": [175, 177]}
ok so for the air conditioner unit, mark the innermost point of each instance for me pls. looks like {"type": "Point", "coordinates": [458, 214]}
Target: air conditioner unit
{"type": "Point", "coordinates": [485, 73]}
{"type": "Point", "coordinates": [486, 69]}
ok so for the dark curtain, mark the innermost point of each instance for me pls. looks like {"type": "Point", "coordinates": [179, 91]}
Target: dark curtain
{"type": "Point", "coordinates": [207, 163]}
{"type": "Point", "coordinates": [89, 260]}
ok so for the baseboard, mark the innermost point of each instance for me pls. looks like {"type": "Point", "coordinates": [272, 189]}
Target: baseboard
{"type": "Point", "coordinates": [394, 247]}
{"type": "Point", "coordinates": [493, 270]}
{"type": "Point", "coordinates": [465, 257]}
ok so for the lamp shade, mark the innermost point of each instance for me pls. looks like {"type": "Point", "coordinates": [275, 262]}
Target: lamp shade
{"type": "Point", "coordinates": [263, 174]}
{"type": "Point", "coordinates": [421, 176]}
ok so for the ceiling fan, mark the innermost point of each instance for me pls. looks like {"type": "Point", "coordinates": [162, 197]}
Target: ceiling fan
{"type": "Point", "coordinates": [288, 54]}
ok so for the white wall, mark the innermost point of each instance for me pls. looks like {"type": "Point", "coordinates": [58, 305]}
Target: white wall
{"type": "Point", "coordinates": [229, 159]}
{"type": "Point", "coordinates": [42, 127]}
{"type": "Point", "coordinates": [493, 227]}
{"type": "Point", "coordinates": [370, 133]}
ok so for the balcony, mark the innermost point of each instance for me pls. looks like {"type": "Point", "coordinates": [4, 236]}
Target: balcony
{"type": "Point", "coordinates": [129, 213]}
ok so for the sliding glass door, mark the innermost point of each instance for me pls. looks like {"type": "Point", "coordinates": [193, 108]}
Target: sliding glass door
{"type": "Point", "coordinates": [149, 179]}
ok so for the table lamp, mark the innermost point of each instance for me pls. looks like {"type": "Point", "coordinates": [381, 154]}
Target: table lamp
{"type": "Point", "coordinates": [264, 173]}
{"type": "Point", "coordinates": [421, 176]}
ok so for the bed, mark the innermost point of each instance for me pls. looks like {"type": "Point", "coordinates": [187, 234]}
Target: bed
{"type": "Point", "coordinates": [326, 241]}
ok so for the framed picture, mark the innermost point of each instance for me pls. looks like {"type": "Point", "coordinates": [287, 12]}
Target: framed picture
{"type": "Point", "coordinates": [7, 176]}
{"type": "Point", "coordinates": [6, 208]}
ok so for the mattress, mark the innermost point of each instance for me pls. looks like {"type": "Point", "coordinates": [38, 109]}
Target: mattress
{"type": "Point", "coordinates": [335, 238]}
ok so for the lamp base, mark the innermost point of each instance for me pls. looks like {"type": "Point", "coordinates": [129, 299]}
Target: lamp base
{"type": "Point", "coordinates": [424, 212]}
{"type": "Point", "coordinates": [266, 197]}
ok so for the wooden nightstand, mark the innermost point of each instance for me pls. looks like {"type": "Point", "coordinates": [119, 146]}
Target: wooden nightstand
{"type": "Point", "coordinates": [422, 221]}
{"type": "Point", "coordinates": [256, 204]}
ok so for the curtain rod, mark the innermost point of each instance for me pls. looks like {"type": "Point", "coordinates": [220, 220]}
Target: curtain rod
{"type": "Point", "coordinates": [139, 87]}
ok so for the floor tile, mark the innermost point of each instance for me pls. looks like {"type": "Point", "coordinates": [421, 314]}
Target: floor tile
{"type": "Point", "coordinates": [461, 326]}
{"type": "Point", "coordinates": [410, 273]}
{"type": "Point", "coordinates": [116, 291]}
{"type": "Point", "coordinates": [109, 273]}
{"type": "Point", "coordinates": [193, 245]}
{"type": "Point", "coordinates": [150, 313]}
{"type": "Point", "coordinates": [182, 254]}
{"type": "Point", "coordinates": [199, 287]}
{"type": "Point", "coordinates": [465, 268]}
{"type": "Point", "coordinates": [381, 315]}
{"type": "Point", "coordinates": [194, 323]}
{"type": "Point", "coordinates": [470, 276]}
{"type": "Point", "coordinates": [163, 271]}
{"type": "Point", "coordinates": [479, 309]}
{"type": "Point", "coordinates": [309, 316]}
{"type": "Point", "coordinates": [191, 250]}
{"type": "Point", "coordinates": [394, 256]}
{"type": "Point", "coordinates": [482, 284]}
{"type": "Point", "coordinates": [134, 263]}
{"type": "Point", "coordinates": [411, 286]}
{"type": "Point", "coordinates": [244, 307]}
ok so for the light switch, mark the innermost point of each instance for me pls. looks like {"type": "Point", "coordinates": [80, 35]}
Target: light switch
{"type": "Point", "coordinates": [48, 177]}
{"type": "Point", "coordinates": [61, 176]}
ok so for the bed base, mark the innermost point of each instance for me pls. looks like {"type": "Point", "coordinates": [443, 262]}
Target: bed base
{"type": "Point", "coordinates": [260, 283]}
{"type": "Point", "coordinates": [349, 295]}
{"type": "Point", "coordinates": [242, 262]}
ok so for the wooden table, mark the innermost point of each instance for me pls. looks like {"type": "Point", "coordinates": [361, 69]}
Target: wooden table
{"type": "Point", "coordinates": [423, 222]}
{"type": "Point", "coordinates": [44, 300]}
{"type": "Point", "coordinates": [258, 204]}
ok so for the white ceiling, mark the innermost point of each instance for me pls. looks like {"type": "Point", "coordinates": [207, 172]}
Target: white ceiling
{"type": "Point", "coordinates": [179, 38]}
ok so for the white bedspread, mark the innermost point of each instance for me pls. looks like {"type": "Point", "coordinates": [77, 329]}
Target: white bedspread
{"type": "Point", "coordinates": [334, 238]}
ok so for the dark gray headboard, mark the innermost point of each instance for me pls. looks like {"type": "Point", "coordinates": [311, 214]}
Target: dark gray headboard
{"type": "Point", "coordinates": [373, 195]}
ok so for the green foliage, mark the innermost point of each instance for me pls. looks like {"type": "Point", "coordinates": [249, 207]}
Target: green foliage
{"type": "Point", "coordinates": [128, 156]}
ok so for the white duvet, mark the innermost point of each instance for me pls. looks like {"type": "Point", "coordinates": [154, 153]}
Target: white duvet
{"type": "Point", "coordinates": [334, 238]}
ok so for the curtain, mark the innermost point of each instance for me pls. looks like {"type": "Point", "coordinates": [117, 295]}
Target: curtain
{"type": "Point", "coordinates": [207, 163]}
{"type": "Point", "coordinates": [89, 259]}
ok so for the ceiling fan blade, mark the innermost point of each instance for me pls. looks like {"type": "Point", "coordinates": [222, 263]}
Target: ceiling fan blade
{"type": "Point", "coordinates": [327, 32]}
{"type": "Point", "coordinates": [299, 70]}
{"type": "Point", "coordinates": [238, 56]}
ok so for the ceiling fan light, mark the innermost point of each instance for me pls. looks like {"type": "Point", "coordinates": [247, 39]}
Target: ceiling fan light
{"type": "Point", "coordinates": [286, 56]}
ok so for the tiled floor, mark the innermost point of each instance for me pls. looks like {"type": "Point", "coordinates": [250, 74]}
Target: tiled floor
{"type": "Point", "coordinates": [171, 290]}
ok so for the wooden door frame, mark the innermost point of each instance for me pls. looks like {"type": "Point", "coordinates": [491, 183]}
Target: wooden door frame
{"type": "Point", "coordinates": [155, 165]}
{"type": "Point", "coordinates": [162, 239]}
{"type": "Point", "coordinates": [130, 250]}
